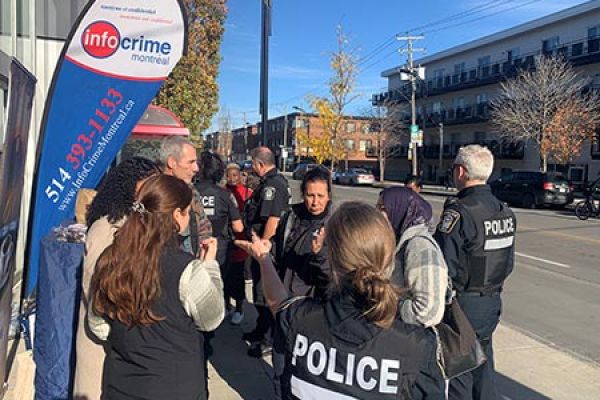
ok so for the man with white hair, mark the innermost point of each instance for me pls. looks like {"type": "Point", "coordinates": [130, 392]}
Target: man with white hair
{"type": "Point", "coordinates": [179, 159]}
{"type": "Point", "coordinates": [476, 234]}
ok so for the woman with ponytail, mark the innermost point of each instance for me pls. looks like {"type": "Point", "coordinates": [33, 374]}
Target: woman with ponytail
{"type": "Point", "coordinates": [149, 299]}
{"type": "Point", "coordinates": [352, 343]}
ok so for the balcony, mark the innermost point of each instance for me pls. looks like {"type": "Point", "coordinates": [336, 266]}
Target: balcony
{"type": "Point", "coordinates": [469, 114]}
{"type": "Point", "coordinates": [579, 52]}
{"type": "Point", "coordinates": [500, 150]}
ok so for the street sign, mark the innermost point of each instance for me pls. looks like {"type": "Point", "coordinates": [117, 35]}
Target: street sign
{"type": "Point", "coordinates": [414, 133]}
{"type": "Point", "coordinates": [284, 153]}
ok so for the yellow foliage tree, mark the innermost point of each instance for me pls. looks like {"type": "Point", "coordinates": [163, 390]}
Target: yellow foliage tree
{"type": "Point", "coordinates": [191, 91]}
{"type": "Point", "coordinates": [330, 144]}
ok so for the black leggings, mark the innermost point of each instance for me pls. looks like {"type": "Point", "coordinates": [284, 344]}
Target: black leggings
{"type": "Point", "coordinates": [234, 281]}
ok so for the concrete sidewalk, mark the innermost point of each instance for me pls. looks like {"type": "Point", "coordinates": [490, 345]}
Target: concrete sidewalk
{"type": "Point", "coordinates": [527, 368]}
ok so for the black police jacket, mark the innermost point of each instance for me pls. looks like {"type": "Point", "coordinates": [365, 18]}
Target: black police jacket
{"type": "Point", "coordinates": [220, 207]}
{"type": "Point", "coordinates": [270, 199]}
{"type": "Point", "coordinates": [476, 234]}
{"type": "Point", "coordinates": [303, 273]}
{"type": "Point", "coordinates": [330, 349]}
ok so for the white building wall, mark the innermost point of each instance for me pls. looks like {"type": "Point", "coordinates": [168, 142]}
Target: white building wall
{"type": "Point", "coordinates": [570, 26]}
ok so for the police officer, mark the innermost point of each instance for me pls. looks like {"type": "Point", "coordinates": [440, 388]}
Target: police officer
{"type": "Point", "coordinates": [476, 233]}
{"type": "Point", "coordinates": [219, 205]}
{"type": "Point", "coordinates": [263, 212]}
{"type": "Point", "coordinates": [350, 345]}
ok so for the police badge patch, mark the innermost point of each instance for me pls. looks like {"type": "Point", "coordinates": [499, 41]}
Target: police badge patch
{"type": "Point", "coordinates": [269, 193]}
{"type": "Point", "coordinates": [448, 220]}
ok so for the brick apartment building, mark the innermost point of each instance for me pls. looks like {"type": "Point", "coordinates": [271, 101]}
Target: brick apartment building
{"type": "Point", "coordinates": [358, 140]}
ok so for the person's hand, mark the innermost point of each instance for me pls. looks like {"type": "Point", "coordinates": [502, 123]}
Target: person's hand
{"type": "Point", "coordinates": [258, 248]}
{"type": "Point", "coordinates": [208, 252]}
{"type": "Point", "coordinates": [317, 242]}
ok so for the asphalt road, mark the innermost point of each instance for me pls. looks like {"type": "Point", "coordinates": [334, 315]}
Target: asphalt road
{"type": "Point", "coordinates": [554, 291]}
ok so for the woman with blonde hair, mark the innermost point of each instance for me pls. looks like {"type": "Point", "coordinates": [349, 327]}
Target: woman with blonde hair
{"type": "Point", "coordinates": [149, 300]}
{"type": "Point", "coordinates": [351, 344]}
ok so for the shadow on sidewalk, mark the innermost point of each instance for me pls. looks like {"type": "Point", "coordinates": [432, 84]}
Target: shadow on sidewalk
{"type": "Point", "coordinates": [513, 390]}
{"type": "Point", "coordinates": [239, 374]}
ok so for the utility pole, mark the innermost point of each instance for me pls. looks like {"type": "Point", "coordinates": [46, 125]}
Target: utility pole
{"type": "Point", "coordinates": [264, 68]}
{"type": "Point", "coordinates": [441, 149]}
{"type": "Point", "coordinates": [412, 74]}
{"type": "Point", "coordinates": [245, 137]}
{"type": "Point", "coordinates": [284, 152]}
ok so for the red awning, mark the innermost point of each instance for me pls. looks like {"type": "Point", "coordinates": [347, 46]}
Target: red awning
{"type": "Point", "coordinates": [158, 122]}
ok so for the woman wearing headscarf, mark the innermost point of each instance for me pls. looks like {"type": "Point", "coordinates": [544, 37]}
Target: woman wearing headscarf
{"type": "Point", "coordinates": [420, 267]}
{"type": "Point", "coordinates": [105, 215]}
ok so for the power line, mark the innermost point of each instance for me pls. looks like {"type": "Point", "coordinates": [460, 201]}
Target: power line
{"type": "Point", "coordinates": [475, 10]}
{"type": "Point", "coordinates": [482, 17]}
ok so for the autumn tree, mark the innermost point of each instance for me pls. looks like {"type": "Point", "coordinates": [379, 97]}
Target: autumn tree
{"type": "Point", "coordinates": [528, 104]}
{"type": "Point", "coordinates": [330, 109]}
{"type": "Point", "coordinates": [385, 124]}
{"type": "Point", "coordinates": [191, 91]}
{"type": "Point", "coordinates": [566, 134]}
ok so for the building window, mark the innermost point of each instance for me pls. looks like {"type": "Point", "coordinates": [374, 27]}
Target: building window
{"type": "Point", "coordinates": [513, 53]}
{"type": "Point", "coordinates": [459, 68]}
{"type": "Point", "coordinates": [459, 102]}
{"type": "Point", "coordinates": [365, 144]}
{"type": "Point", "coordinates": [593, 39]}
{"type": "Point", "coordinates": [549, 45]}
{"type": "Point", "coordinates": [437, 107]}
{"type": "Point", "coordinates": [349, 144]}
{"type": "Point", "coordinates": [483, 61]}
{"type": "Point", "coordinates": [350, 127]}
{"type": "Point", "coordinates": [482, 98]}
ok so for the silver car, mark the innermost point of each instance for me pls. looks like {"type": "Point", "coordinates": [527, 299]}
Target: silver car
{"type": "Point", "coordinates": [356, 176]}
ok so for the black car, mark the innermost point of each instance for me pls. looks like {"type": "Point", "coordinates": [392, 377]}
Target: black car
{"type": "Point", "coordinates": [531, 189]}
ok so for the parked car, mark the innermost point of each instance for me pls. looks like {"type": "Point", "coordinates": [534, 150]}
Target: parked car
{"type": "Point", "coordinates": [335, 174]}
{"type": "Point", "coordinates": [245, 165]}
{"type": "Point", "coordinates": [301, 170]}
{"type": "Point", "coordinates": [530, 189]}
{"type": "Point", "coordinates": [356, 176]}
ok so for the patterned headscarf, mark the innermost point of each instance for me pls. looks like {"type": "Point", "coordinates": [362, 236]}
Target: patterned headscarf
{"type": "Point", "coordinates": [405, 208]}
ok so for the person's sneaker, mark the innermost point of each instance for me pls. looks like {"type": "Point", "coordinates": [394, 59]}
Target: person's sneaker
{"type": "Point", "coordinates": [259, 349]}
{"type": "Point", "coordinates": [237, 318]}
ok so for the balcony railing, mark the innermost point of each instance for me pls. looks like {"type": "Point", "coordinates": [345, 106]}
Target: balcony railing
{"type": "Point", "coordinates": [578, 52]}
{"type": "Point", "coordinates": [455, 116]}
{"type": "Point", "coordinates": [501, 150]}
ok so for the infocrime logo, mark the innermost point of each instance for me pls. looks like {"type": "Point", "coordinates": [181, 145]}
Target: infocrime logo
{"type": "Point", "coordinates": [101, 39]}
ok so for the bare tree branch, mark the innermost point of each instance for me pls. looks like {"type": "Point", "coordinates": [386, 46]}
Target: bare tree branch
{"type": "Point", "coordinates": [528, 103]}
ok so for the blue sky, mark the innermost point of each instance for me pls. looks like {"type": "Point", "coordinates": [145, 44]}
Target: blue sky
{"type": "Point", "coordinates": [304, 34]}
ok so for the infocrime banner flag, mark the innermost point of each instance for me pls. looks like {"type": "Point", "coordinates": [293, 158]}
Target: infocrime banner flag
{"type": "Point", "coordinates": [114, 61]}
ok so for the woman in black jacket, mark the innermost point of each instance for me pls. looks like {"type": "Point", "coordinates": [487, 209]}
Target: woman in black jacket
{"type": "Point", "coordinates": [300, 249]}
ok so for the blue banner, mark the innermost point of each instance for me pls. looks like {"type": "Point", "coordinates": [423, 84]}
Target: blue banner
{"type": "Point", "coordinates": [112, 66]}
